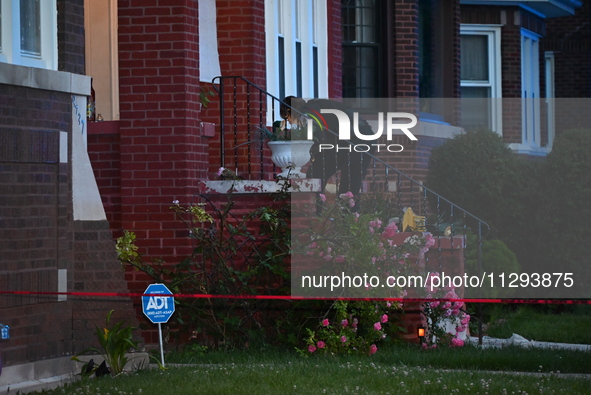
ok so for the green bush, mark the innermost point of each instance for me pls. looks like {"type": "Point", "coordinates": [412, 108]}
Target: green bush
{"type": "Point", "coordinates": [478, 172]}
{"type": "Point", "coordinates": [565, 213]}
{"type": "Point", "coordinates": [538, 208]}
{"type": "Point", "coordinates": [496, 258]}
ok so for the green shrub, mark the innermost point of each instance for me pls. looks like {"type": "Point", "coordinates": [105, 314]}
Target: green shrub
{"type": "Point", "coordinates": [496, 258]}
{"type": "Point", "coordinates": [565, 214]}
{"type": "Point", "coordinates": [478, 172]}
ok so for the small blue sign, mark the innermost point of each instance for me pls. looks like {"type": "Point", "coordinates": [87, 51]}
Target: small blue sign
{"type": "Point", "coordinates": [4, 332]}
{"type": "Point", "coordinates": [158, 308]}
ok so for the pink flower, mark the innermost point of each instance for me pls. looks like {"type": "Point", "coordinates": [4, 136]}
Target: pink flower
{"type": "Point", "coordinates": [451, 294]}
{"type": "Point", "coordinates": [455, 342]}
{"type": "Point", "coordinates": [429, 242]}
{"type": "Point", "coordinates": [321, 344]}
{"type": "Point", "coordinates": [220, 171]}
{"type": "Point", "coordinates": [377, 326]}
{"type": "Point", "coordinates": [373, 349]}
{"type": "Point", "coordinates": [390, 230]}
{"type": "Point", "coordinates": [325, 322]}
{"type": "Point", "coordinates": [460, 328]}
{"type": "Point", "coordinates": [465, 320]}
{"type": "Point", "coordinates": [311, 348]}
{"type": "Point", "coordinates": [323, 197]}
{"type": "Point", "coordinates": [343, 339]}
{"type": "Point", "coordinates": [384, 318]}
{"type": "Point", "coordinates": [355, 322]}
{"type": "Point", "coordinates": [388, 304]}
{"type": "Point", "coordinates": [434, 304]}
{"type": "Point", "coordinates": [345, 322]}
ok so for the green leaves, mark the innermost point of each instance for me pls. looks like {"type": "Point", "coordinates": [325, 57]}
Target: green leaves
{"type": "Point", "coordinates": [115, 343]}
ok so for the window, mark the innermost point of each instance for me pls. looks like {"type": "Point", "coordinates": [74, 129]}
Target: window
{"type": "Point", "coordinates": [480, 77]}
{"type": "Point", "coordinates": [361, 48]}
{"type": "Point", "coordinates": [530, 85]}
{"type": "Point", "coordinates": [21, 40]}
{"type": "Point", "coordinates": [297, 43]}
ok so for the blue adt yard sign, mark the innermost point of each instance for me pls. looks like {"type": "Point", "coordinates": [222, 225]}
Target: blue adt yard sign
{"type": "Point", "coordinates": [158, 308]}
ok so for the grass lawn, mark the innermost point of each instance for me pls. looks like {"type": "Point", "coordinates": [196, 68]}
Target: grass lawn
{"type": "Point", "coordinates": [469, 357]}
{"type": "Point", "coordinates": [396, 369]}
{"type": "Point", "coordinates": [533, 324]}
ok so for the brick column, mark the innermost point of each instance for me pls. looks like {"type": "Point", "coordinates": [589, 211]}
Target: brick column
{"type": "Point", "coordinates": [163, 153]}
{"type": "Point", "coordinates": [407, 48]}
{"type": "Point", "coordinates": [335, 49]}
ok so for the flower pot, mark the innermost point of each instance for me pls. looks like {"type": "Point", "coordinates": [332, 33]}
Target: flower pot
{"type": "Point", "coordinates": [290, 156]}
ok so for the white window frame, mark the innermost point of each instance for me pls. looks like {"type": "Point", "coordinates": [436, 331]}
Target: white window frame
{"type": "Point", "coordinates": [312, 18]}
{"type": "Point", "coordinates": [493, 33]}
{"type": "Point", "coordinates": [550, 96]}
{"type": "Point", "coordinates": [10, 46]}
{"type": "Point", "coordinates": [530, 88]}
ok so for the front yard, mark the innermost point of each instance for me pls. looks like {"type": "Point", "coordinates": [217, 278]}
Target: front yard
{"type": "Point", "coordinates": [396, 369]}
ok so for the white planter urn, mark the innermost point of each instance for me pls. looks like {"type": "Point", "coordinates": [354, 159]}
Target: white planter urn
{"type": "Point", "coordinates": [290, 156]}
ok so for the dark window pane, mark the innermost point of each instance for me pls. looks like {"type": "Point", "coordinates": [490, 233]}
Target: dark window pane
{"type": "Point", "coordinates": [315, 70]}
{"type": "Point", "coordinates": [476, 108]}
{"type": "Point", "coordinates": [299, 69]}
{"type": "Point", "coordinates": [474, 57]}
{"type": "Point", "coordinates": [361, 48]}
{"type": "Point", "coordinates": [281, 56]}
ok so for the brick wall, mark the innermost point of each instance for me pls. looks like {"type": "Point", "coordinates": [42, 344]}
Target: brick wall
{"type": "Point", "coordinates": [407, 48]}
{"type": "Point", "coordinates": [163, 153]}
{"type": "Point", "coordinates": [97, 270]}
{"type": "Point", "coordinates": [104, 151]}
{"type": "Point", "coordinates": [335, 49]}
{"type": "Point", "coordinates": [569, 38]}
{"type": "Point", "coordinates": [241, 39]}
{"type": "Point", "coordinates": [70, 33]}
{"type": "Point", "coordinates": [39, 238]}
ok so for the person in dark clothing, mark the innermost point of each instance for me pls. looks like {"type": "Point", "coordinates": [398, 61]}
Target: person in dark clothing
{"type": "Point", "coordinates": [325, 163]}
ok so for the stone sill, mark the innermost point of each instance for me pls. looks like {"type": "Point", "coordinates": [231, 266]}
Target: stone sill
{"type": "Point", "coordinates": [260, 186]}
{"type": "Point", "coordinates": [49, 80]}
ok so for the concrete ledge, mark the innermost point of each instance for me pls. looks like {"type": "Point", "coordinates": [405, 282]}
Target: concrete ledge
{"type": "Point", "coordinates": [243, 186]}
{"type": "Point", "coordinates": [50, 80]}
{"type": "Point", "coordinates": [56, 371]}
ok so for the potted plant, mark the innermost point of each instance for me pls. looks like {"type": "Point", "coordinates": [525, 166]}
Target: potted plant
{"type": "Point", "coordinates": [290, 149]}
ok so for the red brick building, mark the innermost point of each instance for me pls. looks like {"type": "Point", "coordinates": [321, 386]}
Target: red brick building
{"type": "Point", "coordinates": [55, 237]}
{"type": "Point", "coordinates": [152, 64]}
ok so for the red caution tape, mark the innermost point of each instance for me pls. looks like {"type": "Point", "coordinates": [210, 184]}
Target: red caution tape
{"type": "Point", "coordinates": [288, 297]}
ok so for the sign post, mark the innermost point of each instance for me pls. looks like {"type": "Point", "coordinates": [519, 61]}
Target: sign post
{"type": "Point", "coordinates": [158, 306]}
